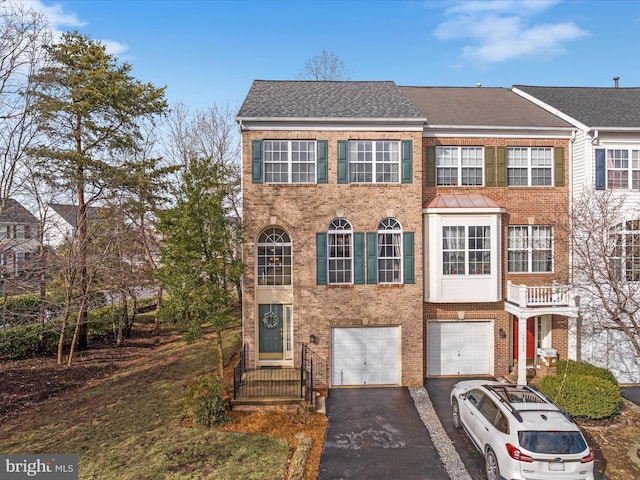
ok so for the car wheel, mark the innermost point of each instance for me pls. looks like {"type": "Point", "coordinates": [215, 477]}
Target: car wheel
{"type": "Point", "coordinates": [455, 411]}
{"type": "Point", "coordinates": [491, 465]}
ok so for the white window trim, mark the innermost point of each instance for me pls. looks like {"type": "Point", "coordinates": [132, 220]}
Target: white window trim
{"type": "Point", "coordinates": [374, 163]}
{"type": "Point", "coordinates": [330, 232]}
{"type": "Point", "coordinates": [459, 167]}
{"type": "Point", "coordinates": [400, 258]}
{"type": "Point", "coordinates": [530, 167]}
{"type": "Point", "coordinates": [467, 251]}
{"type": "Point", "coordinates": [629, 169]}
{"type": "Point", "coordinates": [266, 245]}
{"type": "Point", "coordinates": [530, 249]}
{"type": "Point", "coordinates": [290, 162]}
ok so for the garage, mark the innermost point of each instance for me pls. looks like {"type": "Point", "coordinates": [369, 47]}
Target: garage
{"type": "Point", "coordinates": [459, 348]}
{"type": "Point", "coordinates": [365, 356]}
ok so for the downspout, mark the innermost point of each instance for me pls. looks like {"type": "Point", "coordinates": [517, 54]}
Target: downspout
{"type": "Point", "coordinates": [577, 324]}
{"type": "Point", "coordinates": [242, 310]}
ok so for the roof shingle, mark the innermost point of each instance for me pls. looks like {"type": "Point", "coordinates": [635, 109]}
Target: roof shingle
{"type": "Point", "coordinates": [322, 99]}
{"type": "Point", "coordinates": [596, 107]}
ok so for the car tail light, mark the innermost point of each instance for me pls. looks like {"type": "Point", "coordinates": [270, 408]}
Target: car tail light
{"type": "Point", "coordinates": [518, 455]}
{"type": "Point", "coordinates": [588, 458]}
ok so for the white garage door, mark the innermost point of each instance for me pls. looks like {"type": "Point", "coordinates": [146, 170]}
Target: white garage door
{"type": "Point", "coordinates": [364, 356]}
{"type": "Point", "coordinates": [459, 348]}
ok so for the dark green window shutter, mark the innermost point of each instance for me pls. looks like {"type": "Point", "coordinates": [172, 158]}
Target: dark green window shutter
{"type": "Point", "coordinates": [601, 169]}
{"type": "Point", "coordinates": [490, 166]}
{"type": "Point", "coordinates": [321, 258]}
{"type": "Point", "coordinates": [431, 166]}
{"type": "Point", "coordinates": [321, 162]}
{"type": "Point", "coordinates": [372, 258]}
{"type": "Point", "coordinates": [407, 161]}
{"type": "Point", "coordinates": [358, 258]}
{"type": "Point", "coordinates": [558, 166]}
{"type": "Point", "coordinates": [343, 162]}
{"type": "Point", "coordinates": [409, 260]}
{"type": "Point", "coordinates": [256, 161]}
{"type": "Point", "coordinates": [502, 166]}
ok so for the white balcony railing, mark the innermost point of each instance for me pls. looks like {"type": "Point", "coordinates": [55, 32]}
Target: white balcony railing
{"type": "Point", "coordinates": [525, 296]}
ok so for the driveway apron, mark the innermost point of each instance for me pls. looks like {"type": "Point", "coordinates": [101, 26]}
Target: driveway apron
{"type": "Point", "coordinates": [631, 393]}
{"type": "Point", "coordinates": [376, 433]}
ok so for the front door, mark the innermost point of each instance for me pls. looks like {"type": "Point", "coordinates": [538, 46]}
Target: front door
{"type": "Point", "coordinates": [270, 327]}
{"type": "Point", "coordinates": [531, 336]}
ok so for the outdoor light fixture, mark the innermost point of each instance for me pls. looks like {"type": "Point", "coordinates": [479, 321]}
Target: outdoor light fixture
{"type": "Point", "coordinates": [313, 339]}
{"type": "Point", "coordinates": [502, 333]}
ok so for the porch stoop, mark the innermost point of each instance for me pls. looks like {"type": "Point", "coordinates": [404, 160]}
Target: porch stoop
{"type": "Point", "coordinates": [269, 387]}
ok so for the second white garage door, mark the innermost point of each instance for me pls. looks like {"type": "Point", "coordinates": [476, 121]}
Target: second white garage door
{"type": "Point", "coordinates": [364, 356]}
{"type": "Point", "coordinates": [459, 348]}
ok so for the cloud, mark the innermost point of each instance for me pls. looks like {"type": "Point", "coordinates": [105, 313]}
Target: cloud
{"type": "Point", "coordinates": [496, 31]}
{"type": "Point", "coordinates": [61, 20]}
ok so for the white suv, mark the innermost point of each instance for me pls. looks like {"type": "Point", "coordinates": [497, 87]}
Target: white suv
{"type": "Point", "coordinates": [521, 433]}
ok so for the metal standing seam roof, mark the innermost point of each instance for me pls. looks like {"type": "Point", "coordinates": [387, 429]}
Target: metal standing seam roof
{"type": "Point", "coordinates": [592, 106]}
{"type": "Point", "coordinates": [289, 99]}
{"type": "Point", "coordinates": [480, 107]}
{"type": "Point", "coordinates": [461, 200]}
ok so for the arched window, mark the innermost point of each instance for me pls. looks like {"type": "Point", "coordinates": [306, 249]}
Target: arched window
{"type": "Point", "coordinates": [274, 257]}
{"type": "Point", "coordinates": [389, 251]}
{"type": "Point", "coordinates": [340, 254]}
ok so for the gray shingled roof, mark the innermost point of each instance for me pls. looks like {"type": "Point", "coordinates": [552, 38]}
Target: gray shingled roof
{"type": "Point", "coordinates": [323, 100]}
{"type": "Point", "coordinates": [70, 212]}
{"type": "Point", "coordinates": [14, 213]}
{"type": "Point", "coordinates": [592, 106]}
{"type": "Point", "coordinates": [479, 106]}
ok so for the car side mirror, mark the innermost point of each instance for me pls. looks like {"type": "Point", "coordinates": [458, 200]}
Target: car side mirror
{"type": "Point", "coordinates": [463, 396]}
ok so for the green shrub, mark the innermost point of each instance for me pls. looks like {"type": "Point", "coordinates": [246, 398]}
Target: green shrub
{"type": "Point", "coordinates": [582, 396]}
{"type": "Point", "coordinates": [571, 367]}
{"type": "Point", "coordinates": [204, 402]}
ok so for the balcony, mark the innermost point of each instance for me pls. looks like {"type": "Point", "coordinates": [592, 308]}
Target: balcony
{"type": "Point", "coordinates": [539, 300]}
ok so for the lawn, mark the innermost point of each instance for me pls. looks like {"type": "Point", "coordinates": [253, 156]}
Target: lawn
{"type": "Point", "coordinates": [129, 425]}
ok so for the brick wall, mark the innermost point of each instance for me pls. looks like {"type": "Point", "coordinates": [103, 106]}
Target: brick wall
{"type": "Point", "coordinates": [303, 210]}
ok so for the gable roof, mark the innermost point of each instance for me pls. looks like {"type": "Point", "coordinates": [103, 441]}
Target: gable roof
{"type": "Point", "coordinates": [69, 213]}
{"type": "Point", "coordinates": [479, 107]}
{"type": "Point", "coordinates": [13, 212]}
{"type": "Point", "coordinates": [595, 107]}
{"type": "Point", "coordinates": [294, 100]}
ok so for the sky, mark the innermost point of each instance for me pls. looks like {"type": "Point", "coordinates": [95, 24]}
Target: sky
{"type": "Point", "coordinates": [209, 52]}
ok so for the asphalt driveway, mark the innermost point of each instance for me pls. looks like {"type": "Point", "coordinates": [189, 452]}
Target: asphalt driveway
{"type": "Point", "coordinates": [376, 433]}
{"type": "Point", "coordinates": [631, 393]}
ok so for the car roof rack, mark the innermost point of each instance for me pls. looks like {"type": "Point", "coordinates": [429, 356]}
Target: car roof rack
{"type": "Point", "coordinates": [525, 395]}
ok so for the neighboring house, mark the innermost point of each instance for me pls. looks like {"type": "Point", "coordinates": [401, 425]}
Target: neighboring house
{"type": "Point", "coordinates": [18, 236]}
{"type": "Point", "coordinates": [495, 268]}
{"type": "Point", "coordinates": [605, 156]}
{"type": "Point", "coordinates": [61, 222]}
{"type": "Point", "coordinates": [404, 231]}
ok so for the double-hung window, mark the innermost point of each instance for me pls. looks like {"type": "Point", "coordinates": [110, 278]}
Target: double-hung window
{"type": "Point", "coordinates": [374, 161]}
{"type": "Point", "coordinates": [459, 165]}
{"type": "Point", "coordinates": [623, 168]}
{"type": "Point", "coordinates": [466, 250]}
{"type": "Point", "coordinates": [529, 166]}
{"type": "Point", "coordinates": [626, 250]}
{"type": "Point", "coordinates": [340, 251]}
{"type": "Point", "coordinates": [289, 161]}
{"type": "Point", "coordinates": [529, 249]}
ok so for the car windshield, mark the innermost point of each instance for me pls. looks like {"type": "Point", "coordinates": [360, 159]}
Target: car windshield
{"type": "Point", "coordinates": [552, 442]}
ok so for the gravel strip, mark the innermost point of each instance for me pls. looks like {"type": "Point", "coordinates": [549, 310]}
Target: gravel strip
{"type": "Point", "coordinates": [448, 455]}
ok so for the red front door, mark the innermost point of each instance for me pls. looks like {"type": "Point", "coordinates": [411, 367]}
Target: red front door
{"type": "Point", "coordinates": [531, 338]}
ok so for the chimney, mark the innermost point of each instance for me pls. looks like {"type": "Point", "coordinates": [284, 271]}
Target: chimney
{"type": "Point", "coordinates": [615, 81]}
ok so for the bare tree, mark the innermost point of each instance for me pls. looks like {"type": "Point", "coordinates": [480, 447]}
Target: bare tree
{"type": "Point", "coordinates": [23, 32]}
{"type": "Point", "coordinates": [324, 66]}
{"type": "Point", "coordinates": [605, 239]}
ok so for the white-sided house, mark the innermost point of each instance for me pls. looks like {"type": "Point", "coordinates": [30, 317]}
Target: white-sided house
{"type": "Point", "coordinates": [61, 222]}
{"type": "Point", "coordinates": [18, 236]}
{"type": "Point", "coordinates": [605, 156]}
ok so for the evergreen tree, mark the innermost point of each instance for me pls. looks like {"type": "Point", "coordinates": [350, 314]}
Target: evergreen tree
{"type": "Point", "coordinates": [199, 261]}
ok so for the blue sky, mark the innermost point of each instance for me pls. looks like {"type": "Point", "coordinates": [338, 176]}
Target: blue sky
{"type": "Point", "coordinates": [210, 51]}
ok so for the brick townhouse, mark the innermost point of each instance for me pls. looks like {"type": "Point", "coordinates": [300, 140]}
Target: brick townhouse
{"type": "Point", "coordinates": [402, 232]}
